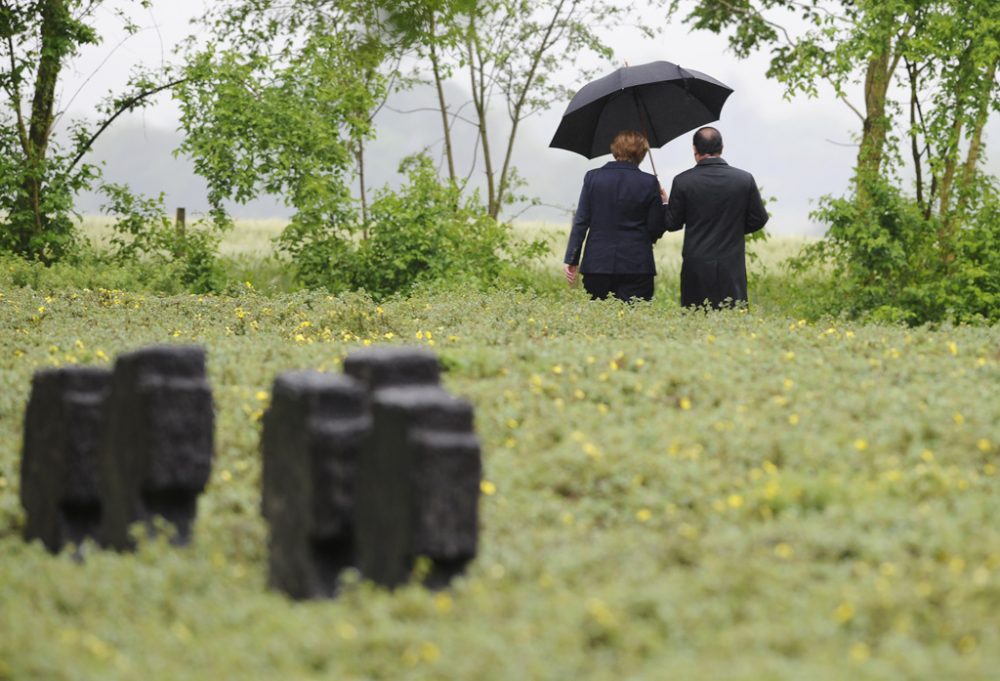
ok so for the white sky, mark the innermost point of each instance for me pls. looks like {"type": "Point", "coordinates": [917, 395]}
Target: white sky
{"type": "Point", "coordinates": [794, 148]}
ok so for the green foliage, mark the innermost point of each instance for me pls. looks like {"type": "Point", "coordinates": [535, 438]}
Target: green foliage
{"type": "Point", "coordinates": [285, 120]}
{"type": "Point", "coordinates": [38, 185]}
{"type": "Point", "coordinates": [731, 495]}
{"type": "Point", "coordinates": [43, 231]}
{"type": "Point", "coordinates": [281, 97]}
{"type": "Point", "coordinates": [39, 176]}
{"type": "Point", "coordinates": [887, 261]}
{"type": "Point", "coordinates": [144, 232]}
{"type": "Point", "coordinates": [914, 257]}
{"type": "Point", "coordinates": [322, 255]}
{"type": "Point", "coordinates": [950, 51]}
{"type": "Point", "coordinates": [426, 232]}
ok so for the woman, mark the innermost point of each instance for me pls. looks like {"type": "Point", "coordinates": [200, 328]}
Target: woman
{"type": "Point", "coordinates": [620, 207]}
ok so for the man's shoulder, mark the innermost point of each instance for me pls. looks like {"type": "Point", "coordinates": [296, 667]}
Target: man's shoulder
{"type": "Point", "coordinates": [739, 172]}
{"type": "Point", "coordinates": [687, 176]}
{"type": "Point", "coordinates": [693, 174]}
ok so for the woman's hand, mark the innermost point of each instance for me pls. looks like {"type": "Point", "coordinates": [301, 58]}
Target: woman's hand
{"type": "Point", "coordinates": [663, 195]}
{"type": "Point", "coordinates": [570, 272]}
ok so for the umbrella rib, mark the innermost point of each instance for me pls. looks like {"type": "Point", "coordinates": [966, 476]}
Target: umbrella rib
{"type": "Point", "coordinates": [648, 123]}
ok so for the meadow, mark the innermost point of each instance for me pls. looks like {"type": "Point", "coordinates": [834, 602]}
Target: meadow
{"type": "Point", "coordinates": [667, 494]}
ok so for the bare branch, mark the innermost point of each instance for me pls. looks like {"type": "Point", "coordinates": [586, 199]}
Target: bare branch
{"type": "Point", "coordinates": [515, 113]}
{"type": "Point", "coordinates": [750, 9]}
{"type": "Point", "coordinates": [388, 90]}
{"type": "Point", "coordinates": [127, 105]}
{"type": "Point", "coordinates": [788, 39]}
{"type": "Point", "coordinates": [819, 8]}
{"type": "Point", "coordinates": [159, 36]}
{"type": "Point", "coordinates": [93, 73]}
{"type": "Point", "coordinates": [842, 97]}
{"type": "Point", "coordinates": [425, 109]}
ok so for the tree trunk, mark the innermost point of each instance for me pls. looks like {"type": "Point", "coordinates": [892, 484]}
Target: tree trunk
{"type": "Point", "coordinates": [29, 211]}
{"type": "Point", "coordinates": [479, 102]}
{"type": "Point", "coordinates": [951, 152]}
{"type": "Point", "coordinates": [951, 161]}
{"type": "Point", "coordinates": [363, 190]}
{"type": "Point", "coordinates": [918, 169]}
{"type": "Point", "coordinates": [442, 104]}
{"type": "Point", "coordinates": [515, 117]}
{"type": "Point", "coordinates": [876, 123]}
{"type": "Point", "coordinates": [976, 139]}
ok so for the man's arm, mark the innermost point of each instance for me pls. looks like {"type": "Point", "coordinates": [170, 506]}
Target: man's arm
{"type": "Point", "coordinates": [756, 212]}
{"type": "Point", "coordinates": [674, 214]}
{"type": "Point", "coordinates": [581, 223]}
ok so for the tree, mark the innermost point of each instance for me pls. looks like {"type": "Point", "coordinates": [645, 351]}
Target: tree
{"type": "Point", "coordinates": [281, 100]}
{"type": "Point", "coordinates": [954, 55]}
{"type": "Point", "coordinates": [433, 28]}
{"type": "Point", "coordinates": [921, 258]}
{"type": "Point", "coordinates": [510, 52]}
{"type": "Point", "coordinates": [943, 53]}
{"type": "Point", "coordinates": [39, 176]}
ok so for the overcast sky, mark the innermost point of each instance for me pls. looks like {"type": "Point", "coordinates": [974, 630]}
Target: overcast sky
{"type": "Point", "coordinates": [798, 150]}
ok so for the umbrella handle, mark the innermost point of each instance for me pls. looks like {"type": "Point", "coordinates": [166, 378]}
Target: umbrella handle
{"type": "Point", "coordinates": [653, 163]}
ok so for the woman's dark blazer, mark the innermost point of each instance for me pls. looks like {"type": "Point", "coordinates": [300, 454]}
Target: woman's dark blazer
{"type": "Point", "coordinates": [620, 207]}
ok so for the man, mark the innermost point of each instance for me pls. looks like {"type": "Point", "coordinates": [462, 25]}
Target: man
{"type": "Point", "coordinates": [718, 205]}
{"type": "Point", "coordinates": [619, 210]}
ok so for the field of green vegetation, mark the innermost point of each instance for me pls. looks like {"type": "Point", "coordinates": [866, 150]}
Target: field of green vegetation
{"type": "Point", "coordinates": [736, 495]}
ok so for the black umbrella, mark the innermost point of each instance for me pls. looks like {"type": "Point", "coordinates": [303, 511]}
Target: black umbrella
{"type": "Point", "coordinates": [659, 99]}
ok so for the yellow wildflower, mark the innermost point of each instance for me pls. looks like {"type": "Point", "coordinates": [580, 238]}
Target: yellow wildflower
{"type": "Point", "coordinates": [843, 613]}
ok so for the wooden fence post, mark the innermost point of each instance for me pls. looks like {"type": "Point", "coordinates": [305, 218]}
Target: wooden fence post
{"type": "Point", "coordinates": [180, 224]}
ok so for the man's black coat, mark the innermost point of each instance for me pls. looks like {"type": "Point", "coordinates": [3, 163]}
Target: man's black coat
{"type": "Point", "coordinates": [717, 205]}
{"type": "Point", "coordinates": [620, 206]}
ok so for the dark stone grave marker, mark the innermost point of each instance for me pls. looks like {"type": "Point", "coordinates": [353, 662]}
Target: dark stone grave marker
{"type": "Point", "coordinates": [312, 435]}
{"type": "Point", "coordinates": [157, 444]}
{"type": "Point", "coordinates": [418, 486]}
{"type": "Point", "coordinates": [59, 464]}
{"type": "Point", "coordinates": [390, 367]}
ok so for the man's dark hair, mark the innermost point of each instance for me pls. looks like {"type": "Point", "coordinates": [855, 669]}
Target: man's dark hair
{"type": "Point", "coordinates": [708, 141]}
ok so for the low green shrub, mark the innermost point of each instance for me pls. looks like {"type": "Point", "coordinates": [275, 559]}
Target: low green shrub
{"type": "Point", "coordinates": [890, 260]}
{"type": "Point", "coordinates": [425, 232]}
{"type": "Point", "coordinates": [144, 232]}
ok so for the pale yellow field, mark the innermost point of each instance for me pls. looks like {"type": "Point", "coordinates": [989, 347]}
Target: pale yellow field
{"type": "Point", "coordinates": [249, 237]}
{"type": "Point", "coordinates": [253, 237]}
{"type": "Point", "coordinates": [668, 250]}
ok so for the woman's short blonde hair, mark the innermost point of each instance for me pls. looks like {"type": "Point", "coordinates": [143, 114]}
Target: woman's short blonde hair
{"type": "Point", "coordinates": [630, 145]}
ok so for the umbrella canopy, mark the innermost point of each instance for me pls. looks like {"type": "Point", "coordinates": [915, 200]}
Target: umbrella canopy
{"type": "Point", "coordinates": [660, 99]}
